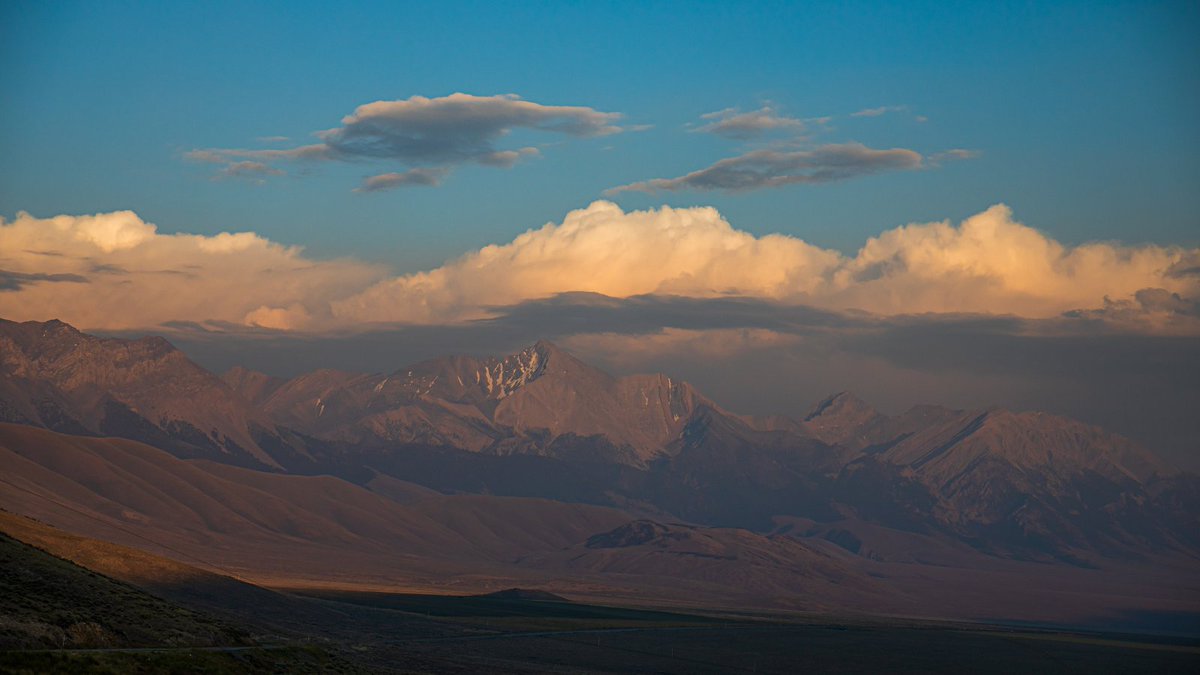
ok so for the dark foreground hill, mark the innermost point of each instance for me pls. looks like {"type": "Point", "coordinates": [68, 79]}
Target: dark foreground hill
{"type": "Point", "coordinates": [527, 631]}
{"type": "Point", "coordinates": [49, 603]}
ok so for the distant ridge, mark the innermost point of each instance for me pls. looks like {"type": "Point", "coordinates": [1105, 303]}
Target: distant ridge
{"type": "Point", "coordinates": [528, 594]}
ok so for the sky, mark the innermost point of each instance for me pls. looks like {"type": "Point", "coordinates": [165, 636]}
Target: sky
{"type": "Point", "coordinates": [967, 203]}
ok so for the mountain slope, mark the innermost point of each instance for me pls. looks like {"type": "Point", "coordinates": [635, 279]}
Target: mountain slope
{"type": "Point", "coordinates": [52, 375]}
{"type": "Point", "coordinates": [540, 423]}
{"type": "Point", "coordinates": [50, 603]}
{"type": "Point", "coordinates": [1031, 477]}
{"type": "Point", "coordinates": [131, 493]}
{"type": "Point", "coordinates": [297, 529]}
{"type": "Point", "coordinates": [518, 403]}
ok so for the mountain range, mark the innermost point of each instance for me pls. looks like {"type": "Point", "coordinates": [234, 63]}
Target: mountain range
{"type": "Point", "coordinates": [537, 461]}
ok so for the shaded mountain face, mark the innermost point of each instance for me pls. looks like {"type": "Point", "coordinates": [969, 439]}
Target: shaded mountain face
{"type": "Point", "coordinates": [1013, 480]}
{"type": "Point", "coordinates": [541, 423]}
{"type": "Point", "coordinates": [54, 376]}
{"type": "Point", "coordinates": [523, 402]}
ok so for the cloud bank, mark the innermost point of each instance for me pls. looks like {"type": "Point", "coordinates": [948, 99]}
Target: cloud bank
{"type": "Point", "coordinates": [115, 271]}
{"type": "Point", "coordinates": [419, 132]}
{"type": "Point", "coordinates": [988, 264]}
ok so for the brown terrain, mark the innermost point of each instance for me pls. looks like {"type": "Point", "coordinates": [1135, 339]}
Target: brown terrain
{"type": "Point", "coordinates": [535, 470]}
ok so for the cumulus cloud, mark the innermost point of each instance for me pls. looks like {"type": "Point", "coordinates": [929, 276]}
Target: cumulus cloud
{"type": "Point", "coordinates": [432, 132]}
{"type": "Point", "coordinates": [124, 274]}
{"type": "Point", "coordinates": [601, 249]}
{"type": "Point", "coordinates": [733, 123]}
{"type": "Point", "coordinates": [760, 169]}
{"type": "Point", "coordinates": [988, 264]}
{"type": "Point", "coordinates": [116, 271]}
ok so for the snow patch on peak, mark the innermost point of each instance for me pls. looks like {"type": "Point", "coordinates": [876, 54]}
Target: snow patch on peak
{"type": "Point", "coordinates": [500, 378]}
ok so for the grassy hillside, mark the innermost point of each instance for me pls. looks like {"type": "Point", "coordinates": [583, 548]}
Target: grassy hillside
{"type": "Point", "coordinates": [48, 602]}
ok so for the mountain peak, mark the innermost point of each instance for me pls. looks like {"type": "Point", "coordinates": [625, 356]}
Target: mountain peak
{"type": "Point", "coordinates": [546, 347]}
{"type": "Point", "coordinates": [841, 404]}
{"type": "Point", "coordinates": [501, 377]}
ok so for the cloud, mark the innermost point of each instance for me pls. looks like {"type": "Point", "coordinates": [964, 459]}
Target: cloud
{"type": "Point", "coordinates": [882, 110]}
{"type": "Point", "coordinates": [717, 343]}
{"type": "Point", "coordinates": [951, 155]}
{"type": "Point", "coordinates": [1152, 309]}
{"type": "Point", "coordinates": [137, 278]}
{"type": "Point", "coordinates": [989, 264]}
{"type": "Point", "coordinates": [391, 181]}
{"type": "Point", "coordinates": [599, 249]}
{"type": "Point", "coordinates": [248, 169]}
{"type": "Point", "coordinates": [433, 132]}
{"type": "Point", "coordinates": [732, 123]}
{"type": "Point", "coordinates": [760, 169]}
{"type": "Point", "coordinates": [15, 281]}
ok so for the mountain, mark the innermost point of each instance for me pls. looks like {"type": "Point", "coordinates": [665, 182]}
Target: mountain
{"type": "Point", "coordinates": [745, 563]}
{"type": "Point", "coordinates": [541, 424]}
{"type": "Point", "coordinates": [846, 420]}
{"type": "Point", "coordinates": [54, 376]}
{"type": "Point", "coordinates": [231, 515]}
{"type": "Point", "coordinates": [302, 531]}
{"type": "Point", "coordinates": [288, 529]}
{"type": "Point", "coordinates": [1029, 477]}
{"type": "Point", "coordinates": [517, 403]}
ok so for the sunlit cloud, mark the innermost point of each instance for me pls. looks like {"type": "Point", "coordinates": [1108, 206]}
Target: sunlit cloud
{"type": "Point", "coordinates": [988, 264]}
{"type": "Point", "coordinates": [733, 123]}
{"type": "Point", "coordinates": [881, 110]}
{"type": "Point", "coordinates": [116, 271]}
{"type": "Point", "coordinates": [430, 133]}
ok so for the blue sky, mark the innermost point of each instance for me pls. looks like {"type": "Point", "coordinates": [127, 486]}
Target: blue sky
{"type": "Point", "coordinates": [1083, 114]}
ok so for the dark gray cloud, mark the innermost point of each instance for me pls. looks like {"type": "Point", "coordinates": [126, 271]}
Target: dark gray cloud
{"type": "Point", "coordinates": [1148, 306]}
{"type": "Point", "coordinates": [1188, 266]}
{"type": "Point", "coordinates": [760, 169]}
{"type": "Point", "coordinates": [15, 281]}
{"type": "Point", "coordinates": [431, 132]}
{"type": "Point", "coordinates": [732, 123]}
